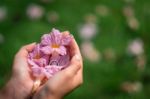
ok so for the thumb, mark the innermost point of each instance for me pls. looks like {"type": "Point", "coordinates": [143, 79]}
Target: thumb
{"type": "Point", "coordinates": [23, 52]}
{"type": "Point", "coordinates": [74, 66]}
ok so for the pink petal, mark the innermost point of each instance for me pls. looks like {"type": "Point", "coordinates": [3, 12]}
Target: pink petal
{"type": "Point", "coordinates": [52, 69]}
{"type": "Point", "coordinates": [56, 37]}
{"type": "Point", "coordinates": [46, 39]}
{"type": "Point", "coordinates": [36, 51]}
{"type": "Point", "coordinates": [54, 60]}
{"type": "Point", "coordinates": [31, 62]}
{"type": "Point", "coordinates": [61, 50]}
{"type": "Point", "coordinates": [37, 71]}
{"type": "Point", "coordinates": [41, 62]}
{"type": "Point", "coordinates": [66, 39]}
{"type": "Point", "coordinates": [46, 50]}
{"type": "Point", "coordinates": [64, 60]}
{"type": "Point", "coordinates": [47, 74]}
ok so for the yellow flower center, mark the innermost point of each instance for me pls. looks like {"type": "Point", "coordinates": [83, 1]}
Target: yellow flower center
{"type": "Point", "coordinates": [55, 46]}
{"type": "Point", "coordinates": [37, 56]}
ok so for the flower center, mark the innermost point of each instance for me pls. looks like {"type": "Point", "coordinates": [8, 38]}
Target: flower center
{"type": "Point", "coordinates": [55, 46]}
{"type": "Point", "coordinates": [37, 56]}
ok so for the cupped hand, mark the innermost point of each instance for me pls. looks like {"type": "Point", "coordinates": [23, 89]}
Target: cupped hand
{"type": "Point", "coordinates": [66, 80]}
{"type": "Point", "coordinates": [21, 78]}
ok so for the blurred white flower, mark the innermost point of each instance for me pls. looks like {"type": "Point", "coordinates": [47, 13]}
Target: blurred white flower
{"type": "Point", "coordinates": [90, 52]}
{"type": "Point", "coordinates": [3, 13]}
{"type": "Point", "coordinates": [87, 31]}
{"type": "Point", "coordinates": [140, 62]}
{"type": "Point", "coordinates": [133, 23]}
{"type": "Point", "coordinates": [90, 18]}
{"type": "Point", "coordinates": [109, 54]}
{"type": "Point", "coordinates": [131, 87]}
{"type": "Point", "coordinates": [102, 10]}
{"type": "Point", "coordinates": [1, 38]}
{"type": "Point", "coordinates": [52, 16]}
{"type": "Point", "coordinates": [128, 11]}
{"type": "Point", "coordinates": [35, 12]}
{"type": "Point", "coordinates": [135, 47]}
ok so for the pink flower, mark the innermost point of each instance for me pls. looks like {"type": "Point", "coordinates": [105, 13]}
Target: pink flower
{"type": "Point", "coordinates": [37, 58]}
{"type": "Point", "coordinates": [51, 55]}
{"type": "Point", "coordinates": [35, 12]}
{"type": "Point", "coordinates": [38, 72]}
{"type": "Point", "coordinates": [55, 42]}
{"type": "Point", "coordinates": [136, 47]}
{"type": "Point", "coordinates": [56, 64]}
{"type": "Point", "coordinates": [60, 60]}
{"type": "Point", "coordinates": [88, 31]}
{"type": "Point", "coordinates": [90, 52]}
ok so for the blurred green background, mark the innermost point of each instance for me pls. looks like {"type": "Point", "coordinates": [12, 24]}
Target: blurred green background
{"type": "Point", "coordinates": [113, 36]}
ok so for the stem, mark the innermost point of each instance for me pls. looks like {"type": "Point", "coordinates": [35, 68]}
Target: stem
{"type": "Point", "coordinates": [36, 86]}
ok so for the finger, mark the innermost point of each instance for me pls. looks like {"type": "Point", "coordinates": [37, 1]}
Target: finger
{"type": "Point", "coordinates": [20, 61]}
{"type": "Point", "coordinates": [66, 32]}
{"type": "Point", "coordinates": [74, 66]}
{"type": "Point", "coordinates": [25, 49]}
{"type": "Point", "coordinates": [78, 79]}
{"type": "Point", "coordinates": [74, 48]}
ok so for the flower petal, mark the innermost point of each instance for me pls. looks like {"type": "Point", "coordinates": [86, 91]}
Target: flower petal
{"type": "Point", "coordinates": [41, 62]}
{"type": "Point", "coordinates": [50, 56]}
{"type": "Point", "coordinates": [64, 60]}
{"type": "Point", "coordinates": [56, 37]}
{"type": "Point", "coordinates": [66, 39]}
{"type": "Point", "coordinates": [46, 39]}
{"type": "Point", "coordinates": [37, 71]}
{"type": "Point", "coordinates": [46, 50]}
{"type": "Point", "coordinates": [61, 50]}
{"type": "Point", "coordinates": [52, 69]}
{"type": "Point", "coordinates": [31, 62]}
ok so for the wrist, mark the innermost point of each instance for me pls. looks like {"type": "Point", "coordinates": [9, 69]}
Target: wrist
{"type": "Point", "coordinates": [14, 89]}
{"type": "Point", "coordinates": [8, 90]}
{"type": "Point", "coordinates": [45, 94]}
{"type": "Point", "coordinates": [55, 97]}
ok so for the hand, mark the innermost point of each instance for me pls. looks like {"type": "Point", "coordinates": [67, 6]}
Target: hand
{"type": "Point", "coordinates": [64, 81]}
{"type": "Point", "coordinates": [20, 84]}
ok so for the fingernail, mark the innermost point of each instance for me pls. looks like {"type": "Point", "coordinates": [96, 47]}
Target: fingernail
{"type": "Point", "coordinates": [66, 33]}
{"type": "Point", "coordinates": [33, 43]}
{"type": "Point", "coordinates": [72, 35]}
{"type": "Point", "coordinates": [77, 57]}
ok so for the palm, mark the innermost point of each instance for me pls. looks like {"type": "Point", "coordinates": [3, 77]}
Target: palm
{"type": "Point", "coordinates": [22, 73]}
{"type": "Point", "coordinates": [21, 70]}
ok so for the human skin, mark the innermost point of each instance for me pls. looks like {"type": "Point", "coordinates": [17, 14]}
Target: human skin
{"type": "Point", "coordinates": [21, 82]}
{"type": "Point", "coordinates": [64, 81]}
